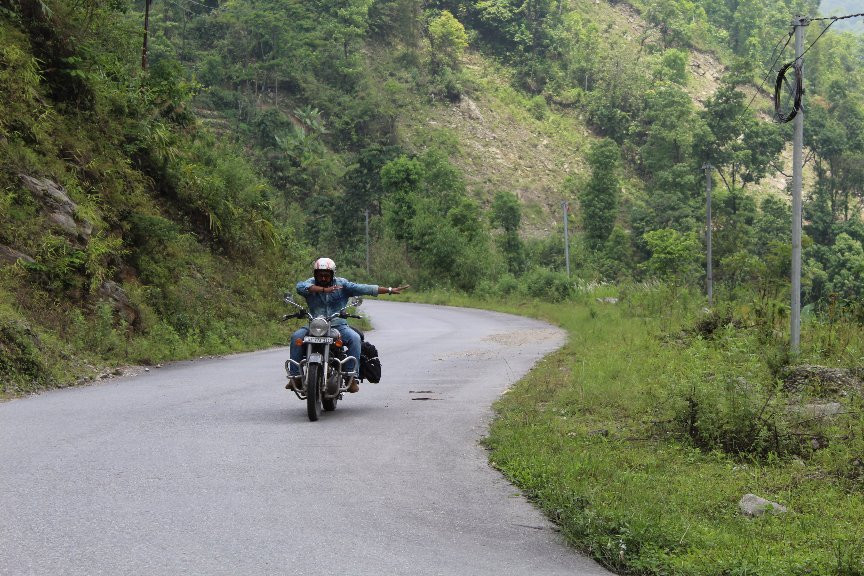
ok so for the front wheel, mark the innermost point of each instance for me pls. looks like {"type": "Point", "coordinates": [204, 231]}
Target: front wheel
{"type": "Point", "coordinates": [313, 392]}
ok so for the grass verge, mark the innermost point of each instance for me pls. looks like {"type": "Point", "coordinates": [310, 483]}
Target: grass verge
{"type": "Point", "coordinates": [597, 436]}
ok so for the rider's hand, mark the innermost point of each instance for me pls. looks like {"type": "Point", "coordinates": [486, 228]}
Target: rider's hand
{"type": "Point", "coordinates": [399, 289]}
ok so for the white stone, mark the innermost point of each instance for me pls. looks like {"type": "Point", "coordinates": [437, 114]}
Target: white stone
{"type": "Point", "coordinates": [752, 505]}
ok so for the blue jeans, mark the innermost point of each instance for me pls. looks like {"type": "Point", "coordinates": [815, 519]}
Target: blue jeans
{"type": "Point", "coordinates": [349, 337]}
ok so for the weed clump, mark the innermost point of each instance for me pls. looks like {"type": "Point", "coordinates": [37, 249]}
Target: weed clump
{"type": "Point", "coordinates": [753, 400]}
{"type": "Point", "coordinates": [22, 364]}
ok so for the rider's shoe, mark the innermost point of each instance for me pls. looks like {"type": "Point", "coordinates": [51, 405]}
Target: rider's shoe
{"type": "Point", "coordinates": [353, 386]}
{"type": "Point", "coordinates": [294, 383]}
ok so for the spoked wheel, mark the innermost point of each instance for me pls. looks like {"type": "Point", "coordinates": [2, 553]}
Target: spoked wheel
{"type": "Point", "coordinates": [313, 393]}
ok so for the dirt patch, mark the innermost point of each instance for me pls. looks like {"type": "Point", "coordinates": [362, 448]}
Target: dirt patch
{"type": "Point", "coordinates": [524, 337]}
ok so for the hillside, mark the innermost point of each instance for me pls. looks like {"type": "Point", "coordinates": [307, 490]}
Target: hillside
{"type": "Point", "coordinates": [128, 234]}
{"type": "Point", "coordinates": [503, 140]}
{"type": "Point", "coordinates": [156, 214]}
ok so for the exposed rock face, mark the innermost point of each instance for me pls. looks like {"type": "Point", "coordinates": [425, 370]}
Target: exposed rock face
{"type": "Point", "coordinates": [114, 293]}
{"type": "Point", "coordinates": [752, 505]}
{"type": "Point", "coordinates": [59, 208]}
{"type": "Point", "coordinates": [470, 110]}
{"type": "Point", "coordinates": [11, 256]}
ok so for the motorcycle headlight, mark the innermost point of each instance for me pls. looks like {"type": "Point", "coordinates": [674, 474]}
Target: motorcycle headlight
{"type": "Point", "coordinates": [319, 327]}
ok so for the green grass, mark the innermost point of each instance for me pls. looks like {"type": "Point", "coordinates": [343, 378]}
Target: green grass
{"type": "Point", "coordinates": [591, 436]}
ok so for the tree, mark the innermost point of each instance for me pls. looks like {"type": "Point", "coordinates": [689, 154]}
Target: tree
{"type": "Point", "coordinates": [507, 214]}
{"type": "Point", "coordinates": [741, 147]}
{"type": "Point", "coordinates": [674, 257]}
{"type": "Point", "coordinates": [673, 67]}
{"type": "Point", "coordinates": [772, 224]}
{"type": "Point", "coordinates": [599, 199]}
{"type": "Point", "coordinates": [392, 20]}
{"type": "Point", "coordinates": [616, 260]}
{"type": "Point", "coordinates": [448, 40]}
{"type": "Point", "coordinates": [670, 127]}
{"type": "Point", "coordinates": [834, 133]}
{"type": "Point", "coordinates": [846, 268]}
{"type": "Point", "coordinates": [401, 180]}
{"type": "Point", "coordinates": [671, 18]}
{"type": "Point", "coordinates": [523, 31]}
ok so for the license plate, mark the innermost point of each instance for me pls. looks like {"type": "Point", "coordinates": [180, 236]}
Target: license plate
{"type": "Point", "coordinates": [318, 340]}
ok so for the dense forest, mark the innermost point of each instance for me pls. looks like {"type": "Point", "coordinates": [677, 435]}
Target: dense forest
{"type": "Point", "coordinates": [155, 204]}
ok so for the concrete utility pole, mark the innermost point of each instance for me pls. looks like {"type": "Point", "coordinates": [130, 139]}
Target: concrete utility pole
{"type": "Point", "coordinates": [565, 207]}
{"type": "Point", "coordinates": [709, 270]}
{"type": "Point", "coordinates": [797, 169]}
{"type": "Point", "coordinates": [146, 30]}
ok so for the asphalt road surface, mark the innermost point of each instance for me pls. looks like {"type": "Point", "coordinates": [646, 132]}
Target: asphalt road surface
{"type": "Point", "coordinates": [212, 467]}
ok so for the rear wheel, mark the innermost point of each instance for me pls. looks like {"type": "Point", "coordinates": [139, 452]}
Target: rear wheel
{"type": "Point", "coordinates": [329, 404]}
{"type": "Point", "coordinates": [313, 393]}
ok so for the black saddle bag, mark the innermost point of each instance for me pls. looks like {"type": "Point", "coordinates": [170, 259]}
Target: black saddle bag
{"type": "Point", "coordinates": [370, 365]}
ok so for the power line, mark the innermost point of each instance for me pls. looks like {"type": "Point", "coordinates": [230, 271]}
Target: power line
{"type": "Point", "coordinates": [835, 18]}
{"type": "Point", "coordinates": [798, 89]}
{"type": "Point", "coordinates": [804, 23]}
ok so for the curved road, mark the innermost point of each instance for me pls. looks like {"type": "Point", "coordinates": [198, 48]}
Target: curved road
{"type": "Point", "coordinates": [211, 467]}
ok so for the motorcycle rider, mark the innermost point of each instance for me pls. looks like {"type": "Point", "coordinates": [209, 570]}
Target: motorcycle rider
{"type": "Point", "coordinates": [325, 294]}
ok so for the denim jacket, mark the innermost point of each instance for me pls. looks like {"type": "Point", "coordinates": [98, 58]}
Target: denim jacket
{"type": "Point", "coordinates": [321, 304]}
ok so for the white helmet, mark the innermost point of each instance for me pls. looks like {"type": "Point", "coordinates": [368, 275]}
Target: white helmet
{"type": "Point", "coordinates": [325, 264]}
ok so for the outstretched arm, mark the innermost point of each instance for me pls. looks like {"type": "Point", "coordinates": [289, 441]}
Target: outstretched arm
{"type": "Point", "coordinates": [392, 289]}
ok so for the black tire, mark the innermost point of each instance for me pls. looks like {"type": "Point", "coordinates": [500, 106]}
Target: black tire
{"type": "Point", "coordinates": [313, 393]}
{"type": "Point", "coordinates": [329, 404]}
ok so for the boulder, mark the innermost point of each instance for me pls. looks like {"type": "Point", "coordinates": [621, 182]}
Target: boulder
{"type": "Point", "coordinates": [59, 208]}
{"type": "Point", "coordinates": [11, 256]}
{"type": "Point", "coordinates": [753, 506]}
{"type": "Point", "coordinates": [821, 410]}
{"type": "Point", "coordinates": [822, 381]}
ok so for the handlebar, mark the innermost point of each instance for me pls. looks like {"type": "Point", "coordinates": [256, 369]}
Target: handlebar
{"type": "Point", "coordinates": [303, 313]}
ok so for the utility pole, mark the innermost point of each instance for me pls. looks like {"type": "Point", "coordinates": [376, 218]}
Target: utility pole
{"type": "Point", "coordinates": [565, 206]}
{"type": "Point", "coordinates": [709, 271]}
{"type": "Point", "coordinates": [146, 29]}
{"type": "Point", "coordinates": [797, 169]}
{"type": "Point", "coordinates": [367, 241]}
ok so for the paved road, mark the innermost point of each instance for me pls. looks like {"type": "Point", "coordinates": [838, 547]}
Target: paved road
{"type": "Point", "coordinates": [211, 467]}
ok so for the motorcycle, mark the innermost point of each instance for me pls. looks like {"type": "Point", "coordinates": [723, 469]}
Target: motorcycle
{"type": "Point", "coordinates": [323, 368]}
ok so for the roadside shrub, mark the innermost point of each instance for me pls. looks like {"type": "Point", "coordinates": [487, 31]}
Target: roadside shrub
{"type": "Point", "coordinates": [95, 333]}
{"type": "Point", "coordinates": [160, 344]}
{"type": "Point", "coordinates": [22, 365]}
{"type": "Point", "coordinates": [545, 284]}
{"type": "Point", "coordinates": [734, 415]}
{"type": "Point", "coordinates": [507, 284]}
{"type": "Point", "coordinates": [538, 108]}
